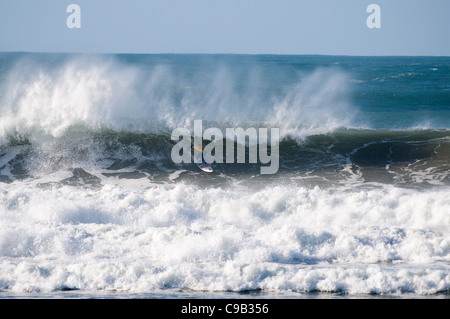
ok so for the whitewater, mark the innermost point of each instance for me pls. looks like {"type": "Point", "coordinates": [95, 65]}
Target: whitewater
{"type": "Point", "coordinates": [91, 203]}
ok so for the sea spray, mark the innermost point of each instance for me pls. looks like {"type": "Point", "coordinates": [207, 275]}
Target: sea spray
{"type": "Point", "coordinates": [99, 93]}
{"type": "Point", "coordinates": [91, 201]}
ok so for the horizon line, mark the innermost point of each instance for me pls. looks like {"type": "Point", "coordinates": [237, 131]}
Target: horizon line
{"type": "Point", "coordinates": [220, 53]}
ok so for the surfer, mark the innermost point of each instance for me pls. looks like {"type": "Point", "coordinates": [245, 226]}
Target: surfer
{"type": "Point", "coordinates": [200, 149]}
{"type": "Point", "coordinates": [200, 161]}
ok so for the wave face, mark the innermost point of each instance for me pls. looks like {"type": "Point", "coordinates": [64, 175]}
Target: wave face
{"type": "Point", "coordinates": [91, 200]}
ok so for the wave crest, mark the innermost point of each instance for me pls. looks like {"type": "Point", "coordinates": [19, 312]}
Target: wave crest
{"type": "Point", "coordinates": [105, 92]}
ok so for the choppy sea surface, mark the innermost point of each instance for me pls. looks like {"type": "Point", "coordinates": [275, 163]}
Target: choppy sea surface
{"type": "Point", "coordinates": [92, 204]}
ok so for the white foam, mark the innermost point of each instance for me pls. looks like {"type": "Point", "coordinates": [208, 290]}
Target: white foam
{"type": "Point", "coordinates": [280, 238]}
{"type": "Point", "coordinates": [99, 92]}
{"type": "Point", "coordinates": [83, 91]}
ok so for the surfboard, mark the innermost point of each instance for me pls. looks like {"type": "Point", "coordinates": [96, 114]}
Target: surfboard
{"type": "Point", "coordinates": [203, 165]}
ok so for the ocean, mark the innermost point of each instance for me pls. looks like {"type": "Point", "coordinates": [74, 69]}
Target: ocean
{"type": "Point", "coordinates": [92, 204]}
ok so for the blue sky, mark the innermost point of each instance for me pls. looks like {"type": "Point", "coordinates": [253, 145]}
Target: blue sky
{"type": "Point", "coordinates": [337, 27]}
